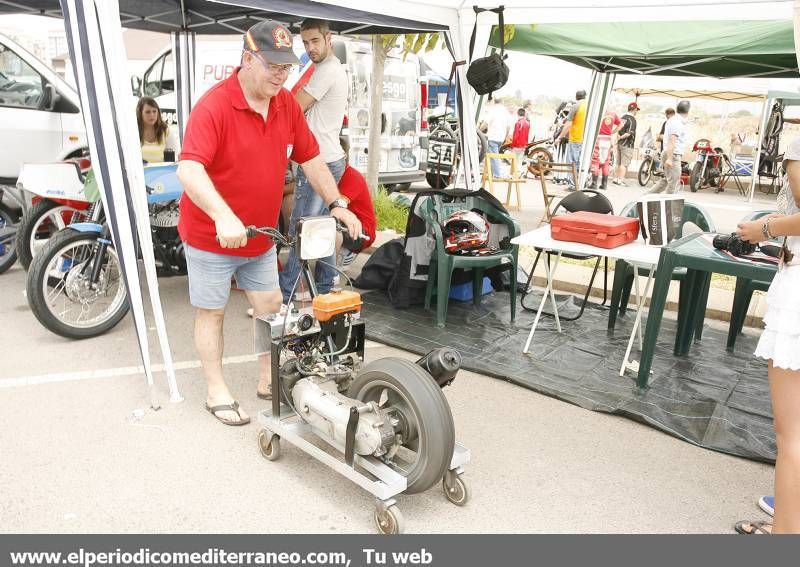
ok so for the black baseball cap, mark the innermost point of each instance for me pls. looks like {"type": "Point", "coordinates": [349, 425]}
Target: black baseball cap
{"type": "Point", "coordinates": [273, 40]}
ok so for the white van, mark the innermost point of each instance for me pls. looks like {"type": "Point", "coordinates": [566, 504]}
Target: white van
{"type": "Point", "coordinates": [40, 114]}
{"type": "Point", "coordinates": [404, 130]}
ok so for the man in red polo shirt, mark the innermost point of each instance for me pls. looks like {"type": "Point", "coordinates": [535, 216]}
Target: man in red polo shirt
{"type": "Point", "coordinates": [239, 138]}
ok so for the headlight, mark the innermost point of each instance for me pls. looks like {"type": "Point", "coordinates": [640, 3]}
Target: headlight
{"type": "Point", "coordinates": [317, 237]}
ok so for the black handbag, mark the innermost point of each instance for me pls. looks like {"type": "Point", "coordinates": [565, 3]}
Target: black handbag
{"type": "Point", "coordinates": [488, 74]}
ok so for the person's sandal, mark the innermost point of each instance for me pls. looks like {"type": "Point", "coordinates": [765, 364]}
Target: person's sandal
{"type": "Point", "coordinates": [753, 528]}
{"type": "Point", "coordinates": [234, 407]}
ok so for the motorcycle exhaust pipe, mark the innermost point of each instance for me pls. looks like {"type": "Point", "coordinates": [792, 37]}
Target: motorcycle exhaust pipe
{"type": "Point", "coordinates": [442, 364]}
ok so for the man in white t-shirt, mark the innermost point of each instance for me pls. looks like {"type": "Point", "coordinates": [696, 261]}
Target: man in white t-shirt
{"type": "Point", "coordinates": [324, 100]}
{"type": "Point", "coordinates": [499, 122]}
{"type": "Point", "coordinates": [674, 146]}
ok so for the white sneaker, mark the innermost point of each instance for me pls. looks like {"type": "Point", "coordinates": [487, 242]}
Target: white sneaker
{"type": "Point", "coordinates": [250, 312]}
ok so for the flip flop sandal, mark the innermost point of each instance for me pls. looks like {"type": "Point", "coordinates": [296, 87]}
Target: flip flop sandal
{"type": "Point", "coordinates": [753, 528]}
{"type": "Point", "coordinates": [264, 396]}
{"type": "Point", "coordinates": [234, 407]}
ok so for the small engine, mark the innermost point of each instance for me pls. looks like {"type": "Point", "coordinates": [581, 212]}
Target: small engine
{"type": "Point", "coordinates": [167, 245]}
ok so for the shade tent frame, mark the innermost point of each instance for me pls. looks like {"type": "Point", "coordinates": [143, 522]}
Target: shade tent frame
{"type": "Point", "coordinates": [639, 59]}
{"type": "Point", "coordinates": [94, 35]}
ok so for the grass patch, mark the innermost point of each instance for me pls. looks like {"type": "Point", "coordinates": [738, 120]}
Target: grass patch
{"type": "Point", "coordinates": [388, 214]}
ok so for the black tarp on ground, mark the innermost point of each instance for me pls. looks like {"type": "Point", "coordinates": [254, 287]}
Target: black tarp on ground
{"type": "Point", "coordinates": [713, 398]}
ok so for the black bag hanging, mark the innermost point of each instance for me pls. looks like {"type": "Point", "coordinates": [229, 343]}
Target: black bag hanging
{"type": "Point", "coordinates": [488, 74]}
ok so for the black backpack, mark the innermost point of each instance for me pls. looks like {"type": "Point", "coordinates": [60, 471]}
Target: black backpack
{"type": "Point", "coordinates": [488, 74]}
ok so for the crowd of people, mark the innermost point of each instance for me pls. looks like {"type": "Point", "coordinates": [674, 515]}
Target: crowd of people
{"type": "Point", "coordinates": [616, 140]}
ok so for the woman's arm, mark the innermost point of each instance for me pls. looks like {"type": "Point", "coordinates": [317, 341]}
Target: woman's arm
{"type": "Point", "coordinates": [779, 225]}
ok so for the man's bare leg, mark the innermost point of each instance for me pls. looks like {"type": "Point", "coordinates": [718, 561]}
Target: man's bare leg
{"type": "Point", "coordinates": [209, 342]}
{"type": "Point", "coordinates": [264, 302]}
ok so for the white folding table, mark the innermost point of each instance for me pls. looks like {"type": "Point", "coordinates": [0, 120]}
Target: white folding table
{"type": "Point", "coordinates": [636, 253]}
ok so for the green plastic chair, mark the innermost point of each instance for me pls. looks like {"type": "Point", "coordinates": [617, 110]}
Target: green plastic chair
{"type": "Point", "coordinates": [434, 211]}
{"type": "Point", "coordinates": [744, 293]}
{"type": "Point", "coordinates": [694, 214]}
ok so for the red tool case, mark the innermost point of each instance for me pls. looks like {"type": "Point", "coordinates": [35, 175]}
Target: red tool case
{"type": "Point", "coordinates": [605, 231]}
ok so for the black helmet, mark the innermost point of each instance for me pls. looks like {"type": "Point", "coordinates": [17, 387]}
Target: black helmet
{"type": "Point", "coordinates": [465, 230]}
{"type": "Point", "coordinates": [683, 107]}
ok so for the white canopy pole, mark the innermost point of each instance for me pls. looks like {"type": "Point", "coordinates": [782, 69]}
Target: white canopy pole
{"type": "Point", "coordinates": [95, 39]}
{"type": "Point", "coordinates": [762, 126]}
{"type": "Point", "coordinates": [183, 49]}
{"type": "Point", "coordinates": [602, 84]}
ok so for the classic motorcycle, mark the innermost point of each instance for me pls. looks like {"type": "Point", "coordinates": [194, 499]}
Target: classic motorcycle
{"type": "Point", "coordinates": [707, 169]}
{"type": "Point", "coordinates": [57, 200]}
{"type": "Point", "coordinates": [75, 286]}
{"type": "Point", "coordinates": [443, 150]}
{"type": "Point", "coordinates": [651, 165]}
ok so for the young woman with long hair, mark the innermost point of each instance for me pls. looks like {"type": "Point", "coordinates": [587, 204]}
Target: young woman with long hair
{"type": "Point", "coordinates": [154, 134]}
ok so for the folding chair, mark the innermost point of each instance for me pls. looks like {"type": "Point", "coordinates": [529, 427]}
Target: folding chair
{"type": "Point", "coordinates": [513, 180]}
{"type": "Point", "coordinates": [541, 174]}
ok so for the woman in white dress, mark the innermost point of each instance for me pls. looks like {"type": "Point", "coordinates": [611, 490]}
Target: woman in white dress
{"type": "Point", "coordinates": [154, 134]}
{"type": "Point", "coordinates": [780, 345]}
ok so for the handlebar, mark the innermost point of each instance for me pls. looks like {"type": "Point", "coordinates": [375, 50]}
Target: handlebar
{"type": "Point", "coordinates": [271, 232]}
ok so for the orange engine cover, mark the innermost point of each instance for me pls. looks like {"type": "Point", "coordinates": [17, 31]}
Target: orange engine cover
{"type": "Point", "coordinates": [331, 304]}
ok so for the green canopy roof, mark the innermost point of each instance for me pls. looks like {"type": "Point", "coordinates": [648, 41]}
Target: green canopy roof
{"type": "Point", "coordinates": [758, 48]}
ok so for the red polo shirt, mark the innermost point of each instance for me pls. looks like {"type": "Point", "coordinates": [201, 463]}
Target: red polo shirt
{"type": "Point", "coordinates": [354, 188]}
{"type": "Point", "coordinates": [245, 158]}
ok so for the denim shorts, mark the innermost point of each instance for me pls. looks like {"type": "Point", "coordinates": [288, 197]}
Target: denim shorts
{"type": "Point", "coordinates": [210, 275]}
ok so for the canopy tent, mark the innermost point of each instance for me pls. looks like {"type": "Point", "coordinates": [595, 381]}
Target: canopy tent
{"type": "Point", "coordinates": [719, 49]}
{"type": "Point", "coordinates": [94, 33]}
{"type": "Point", "coordinates": [762, 48]}
{"type": "Point", "coordinates": [215, 17]}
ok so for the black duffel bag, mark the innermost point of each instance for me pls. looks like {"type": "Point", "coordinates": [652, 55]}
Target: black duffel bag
{"type": "Point", "coordinates": [488, 74]}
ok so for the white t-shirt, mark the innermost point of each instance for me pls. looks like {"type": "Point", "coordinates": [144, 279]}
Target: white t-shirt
{"type": "Point", "coordinates": [499, 121]}
{"type": "Point", "coordinates": [328, 87]}
{"type": "Point", "coordinates": [676, 126]}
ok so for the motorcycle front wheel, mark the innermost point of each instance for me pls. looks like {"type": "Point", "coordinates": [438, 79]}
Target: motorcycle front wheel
{"type": "Point", "coordinates": [411, 394]}
{"type": "Point", "coordinates": [646, 171]}
{"type": "Point", "coordinates": [60, 291]}
{"type": "Point", "coordinates": [694, 178]}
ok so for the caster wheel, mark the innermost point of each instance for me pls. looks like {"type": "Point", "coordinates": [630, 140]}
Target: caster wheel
{"type": "Point", "coordinates": [389, 521]}
{"type": "Point", "coordinates": [455, 490]}
{"type": "Point", "coordinates": [270, 445]}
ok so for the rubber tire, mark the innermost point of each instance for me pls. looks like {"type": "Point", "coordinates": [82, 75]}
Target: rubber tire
{"type": "Point", "coordinates": [646, 171]}
{"type": "Point", "coordinates": [543, 154]}
{"type": "Point", "coordinates": [7, 260]}
{"type": "Point", "coordinates": [694, 177]}
{"type": "Point", "coordinates": [29, 219]}
{"type": "Point", "coordinates": [436, 429]}
{"type": "Point", "coordinates": [37, 302]}
{"type": "Point", "coordinates": [436, 181]}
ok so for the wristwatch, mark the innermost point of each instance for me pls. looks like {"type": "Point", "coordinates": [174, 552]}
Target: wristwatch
{"type": "Point", "coordinates": [765, 230]}
{"type": "Point", "coordinates": [338, 202]}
